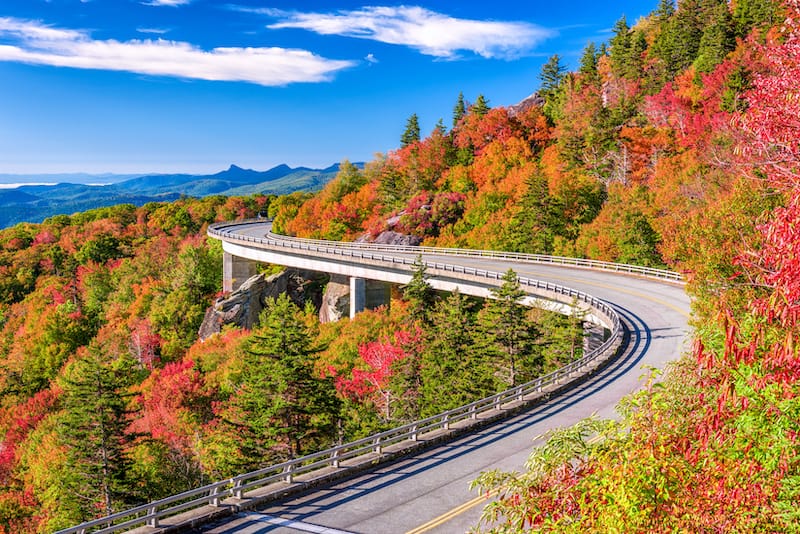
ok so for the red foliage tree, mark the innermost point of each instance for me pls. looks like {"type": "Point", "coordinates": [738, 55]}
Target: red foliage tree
{"type": "Point", "coordinates": [372, 381]}
{"type": "Point", "coordinates": [18, 422]}
{"type": "Point", "coordinates": [167, 398]}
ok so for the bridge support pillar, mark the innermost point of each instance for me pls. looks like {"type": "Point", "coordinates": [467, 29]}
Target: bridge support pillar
{"type": "Point", "coordinates": [235, 271]}
{"type": "Point", "coordinates": [594, 336]}
{"type": "Point", "coordinates": [358, 295]}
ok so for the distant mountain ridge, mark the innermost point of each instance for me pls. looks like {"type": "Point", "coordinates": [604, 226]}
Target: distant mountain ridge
{"type": "Point", "coordinates": [34, 203]}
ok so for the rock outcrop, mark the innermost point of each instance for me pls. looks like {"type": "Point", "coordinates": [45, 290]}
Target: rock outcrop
{"type": "Point", "coordinates": [394, 238]}
{"type": "Point", "coordinates": [335, 300]}
{"type": "Point", "coordinates": [243, 306]}
{"type": "Point", "coordinates": [534, 100]}
{"type": "Point", "coordinates": [390, 237]}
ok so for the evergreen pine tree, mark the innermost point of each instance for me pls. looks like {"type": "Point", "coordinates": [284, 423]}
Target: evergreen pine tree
{"type": "Point", "coordinates": [281, 409]}
{"type": "Point", "coordinates": [717, 41]}
{"type": "Point", "coordinates": [508, 333]}
{"type": "Point", "coordinates": [551, 75]}
{"type": "Point", "coordinates": [588, 64]}
{"type": "Point", "coordinates": [665, 10]}
{"type": "Point", "coordinates": [736, 84]}
{"type": "Point", "coordinates": [439, 128]}
{"type": "Point", "coordinates": [453, 372]}
{"type": "Point", "coordinates": [537, 221]}
{"type": "Point", "coordinates": [480, 107]}
{"type": "Point", "coordinates": [459, 110]}
{"type": "Point", "coordinates": [93, 433]}
{"type": "Point", "coordinates": [678, 40]}
{"type": "Point", "coordinates": [620, 46]}
{"type": "Point", "coordinates": [411, 134]}
{"type": "Point", "coordinates": [749, 14]}
{"type": "Point", "coordinates": [561, 340]}
{"type": "Point", "coordinates": [419, 293]}
{"type": "Point", "coordinates": [634, 63]}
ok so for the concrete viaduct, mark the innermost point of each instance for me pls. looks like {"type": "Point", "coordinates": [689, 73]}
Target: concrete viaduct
{"type": "Point", "coordinates": [415, 478]}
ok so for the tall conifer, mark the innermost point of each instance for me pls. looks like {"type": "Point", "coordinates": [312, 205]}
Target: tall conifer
{"type": "Point", "coordinates": [93, 432]}
{"type": "Point", "coordinates": [282, 409]}
{"type": "Point", "coordinates": [508, 333]}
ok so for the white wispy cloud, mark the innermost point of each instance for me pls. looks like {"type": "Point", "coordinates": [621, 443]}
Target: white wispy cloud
{"type": "Point", "coordinates": [170, 3]}
{"type": "Point", "coordinates": [159, 31]}
{"type": "Point", "coordinates": [36, 43]}
{"type": "Point", "coordinates": [431, 33]}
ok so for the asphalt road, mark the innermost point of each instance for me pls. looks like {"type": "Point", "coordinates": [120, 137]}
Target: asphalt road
{"type": "Point", "coordinates": [429, 491]}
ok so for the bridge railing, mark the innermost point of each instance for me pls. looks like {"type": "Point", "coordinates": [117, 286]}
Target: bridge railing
{"type": "Point", "coordinates": [237, 487]}
{"type": "Point", "coordinates": [649, 272]}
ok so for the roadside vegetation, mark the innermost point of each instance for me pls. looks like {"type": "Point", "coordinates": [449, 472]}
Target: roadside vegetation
{"type": "Point", "coordinates": [673, 145]}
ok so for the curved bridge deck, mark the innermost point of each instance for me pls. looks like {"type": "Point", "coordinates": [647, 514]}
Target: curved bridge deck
{"type": "Point", "coordinates": [427, 489]}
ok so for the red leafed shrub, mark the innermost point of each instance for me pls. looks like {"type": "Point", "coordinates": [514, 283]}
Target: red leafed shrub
{"type": "Point", "coordinates": [19, 421]}
{"type": "Point", "coordinates": [426, 214]}
{"type": "Point", "coordinates": [166, 399]}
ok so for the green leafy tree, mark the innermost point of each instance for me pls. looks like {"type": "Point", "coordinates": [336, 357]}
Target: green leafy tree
{"type": "Point", "coordinates": [198, 270]}
{"type": "Point", "coordinates": [411, 134]}
{"type": "Point", "coordinates": [100, 249]}
{"type": "Point", "coordinates": [282, 409]}
{"type": "Point", "coordinates": [348, 179]}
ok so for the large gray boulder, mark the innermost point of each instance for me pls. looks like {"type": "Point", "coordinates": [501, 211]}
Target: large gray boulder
{"type": "Point", "coordinates": [390, 237]}
{"type": "Point", "coordinates": [335, 300]}
{"type": "Point", "coordinates": [243, 306]}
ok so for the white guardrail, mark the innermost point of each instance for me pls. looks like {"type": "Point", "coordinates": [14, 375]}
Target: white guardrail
{"type": "Point", "coordinates": [220, 230]}
{"type": "Point", "coordinates": [237, 487]}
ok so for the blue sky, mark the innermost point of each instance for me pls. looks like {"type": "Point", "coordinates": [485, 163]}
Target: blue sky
{"type": "Point", "coordinates": [194, 85]}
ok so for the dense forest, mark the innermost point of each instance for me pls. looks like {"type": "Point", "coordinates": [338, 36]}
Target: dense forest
{"type": "Point", "coordinates": [675, 144]}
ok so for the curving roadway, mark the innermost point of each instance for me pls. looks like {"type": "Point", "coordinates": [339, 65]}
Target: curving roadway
{"type": "Point", "coordinates": [429, 491]}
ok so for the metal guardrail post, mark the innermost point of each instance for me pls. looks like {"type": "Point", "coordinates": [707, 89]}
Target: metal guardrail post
{"type": "Point", "coordinates": [153, 521]}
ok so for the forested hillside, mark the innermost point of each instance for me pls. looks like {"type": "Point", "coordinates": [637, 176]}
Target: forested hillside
{"type": "Point", "coordinates": [674, 144]}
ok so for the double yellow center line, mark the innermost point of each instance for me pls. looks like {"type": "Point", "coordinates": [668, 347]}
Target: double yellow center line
{"type": "Point", "coordinates": [444, 518]}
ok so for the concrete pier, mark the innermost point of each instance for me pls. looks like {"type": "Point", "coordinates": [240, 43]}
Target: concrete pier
{"type": "Point", "coordinates": [235, 271]}
{"type": "Point", "coordinates": [358, 295]}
